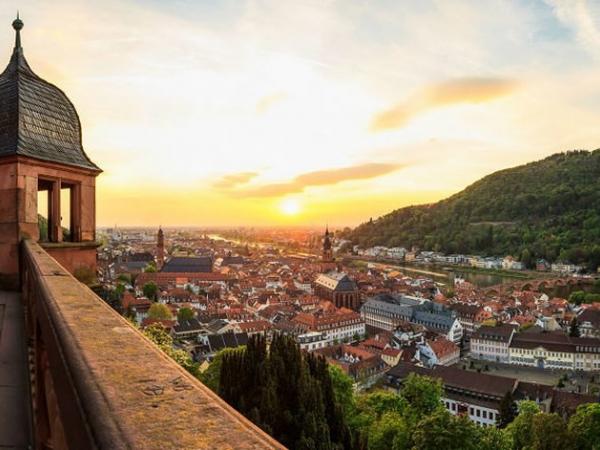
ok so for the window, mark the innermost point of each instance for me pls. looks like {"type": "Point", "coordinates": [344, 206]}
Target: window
{"type": "Point", "coordinates": [43, 211]}
{"type": "Point", "coordinates": [58, 210]}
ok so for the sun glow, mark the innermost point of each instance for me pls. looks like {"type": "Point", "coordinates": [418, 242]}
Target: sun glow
{"type": "Point", "coordinates": [289, 206]}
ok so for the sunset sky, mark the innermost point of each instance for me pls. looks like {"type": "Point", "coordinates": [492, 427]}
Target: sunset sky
{"type": "Point", "coordinates": [297, 112]}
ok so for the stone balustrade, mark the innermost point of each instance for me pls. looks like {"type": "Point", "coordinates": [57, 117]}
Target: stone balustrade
{"type": "Point", "coordinates": [98, 383]}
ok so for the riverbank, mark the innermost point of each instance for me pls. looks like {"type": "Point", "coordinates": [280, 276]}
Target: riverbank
{"type": "Point", "coordinates": [521, 274]}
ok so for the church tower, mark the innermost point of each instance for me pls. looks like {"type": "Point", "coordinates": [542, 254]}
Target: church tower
{"type": "Point", "coordinates": [160, 249]}
{"type": "Point", "coordinates": [43, 164]}
{"type": "Point", "coordinates": [327, 250]}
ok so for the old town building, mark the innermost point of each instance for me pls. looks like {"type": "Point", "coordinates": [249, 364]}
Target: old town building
{"type": "Point", "coordinates": [339, 288]}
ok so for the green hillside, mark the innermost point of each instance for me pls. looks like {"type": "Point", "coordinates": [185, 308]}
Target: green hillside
{"type": "Point", "coordinates": [545, 209]}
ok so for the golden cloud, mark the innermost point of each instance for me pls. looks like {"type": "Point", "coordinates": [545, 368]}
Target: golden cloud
{"type": "Point", "coordinates": [460, 90]}
{"type": "Point", "coordinates": [234, 179]}
{"type": "Point", "coordinates": [321, 178]}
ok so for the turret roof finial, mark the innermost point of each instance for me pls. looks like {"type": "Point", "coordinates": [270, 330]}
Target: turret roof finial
{"type": "Point", "coordinates": [18, 26]}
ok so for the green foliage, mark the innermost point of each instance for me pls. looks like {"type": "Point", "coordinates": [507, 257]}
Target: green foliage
{"type": "Point", "coordinates": [185, 314]}
{"type": "Point", "coordinates": [546, 209]}
{"type": "Point", "coordinates": [305, 404]}
{"type": "Point", "coordinates": [549, 431]}
{"type": "Point", "coordinates": [508, 410]}
{"type": "Point", "coordinates": [442, 430]}
{"type": "Point", "coordinates": [288, 394]}
{"type": "Point", "coordinates": [491, 438]}
{"type": "Point", "coordinates": [159, 311]}
{"type": "Point", "coordinates": [124, 278]}
{"type": "Point", "coordinates": [211, 376]}
{"type": "Point", "coordinates": [368, 413]}
{"type": "Point", "coordinates": [157, 334]}
{"type": "Point", "coordinates": [390, 432]}
{"type": "Point", "coordinates": [579, 297]}
{"type": "Point", "coordinates": [584, 427]}
{"type": "Point", "coordinates": [423, 394]}
{"type": "Point", "coordinates": [150, 291]}
{"type": "Point", "coordinates": [150, 267]}
{"type": "Point", "coordinates": [574, 328]}
{"type": "Point", "coordinates": [342, 388]}
{"type": "Point", "coordinates": [521, 427]}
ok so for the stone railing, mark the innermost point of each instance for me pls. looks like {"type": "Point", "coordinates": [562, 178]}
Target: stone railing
{"type": "Point", "coordinates": [98, 383]}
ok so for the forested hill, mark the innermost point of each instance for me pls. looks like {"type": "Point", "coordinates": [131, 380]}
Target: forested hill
{"type": "Point", "coordinates": [545, 209]}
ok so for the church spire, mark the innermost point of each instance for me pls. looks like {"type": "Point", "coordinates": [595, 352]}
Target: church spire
{"type": "Point", "coordinates": [18, 26]}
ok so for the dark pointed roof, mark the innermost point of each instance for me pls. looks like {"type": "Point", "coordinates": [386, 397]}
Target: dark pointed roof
{"type": "Point", "coordinates": [36, 118]}
{"type": "Point", "coordinates": [327, 241]}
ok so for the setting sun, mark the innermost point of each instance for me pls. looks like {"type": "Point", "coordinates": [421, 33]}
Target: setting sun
{"type": "Point", "coordinates": [290, 207]}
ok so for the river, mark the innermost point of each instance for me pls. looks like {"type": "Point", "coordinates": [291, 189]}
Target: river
{"type": "Point", "coordinates": [437, 273]}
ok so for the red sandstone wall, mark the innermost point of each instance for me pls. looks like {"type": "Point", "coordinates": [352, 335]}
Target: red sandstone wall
{"type": "Point", "coordinates": [9, 239]}
{"type": "Point", "coordinates": [18, 213]}
{"type": "Point", "coordinates": [74, 258]}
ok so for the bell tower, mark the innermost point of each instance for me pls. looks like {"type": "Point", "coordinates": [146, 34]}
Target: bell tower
{"type": "Point", "coordinates": [160, 249]}
{"type": "Point", "coordinates": [47, 181]}
{"type": "Point", "coordinates": [327, 247]}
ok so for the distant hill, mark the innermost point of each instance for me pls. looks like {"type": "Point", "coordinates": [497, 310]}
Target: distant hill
{"type": "Point", "coordinates": [545, 209]}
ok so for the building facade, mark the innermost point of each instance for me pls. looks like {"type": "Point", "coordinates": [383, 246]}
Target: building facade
{"type": "Point", "coordinates": [340, 326]}
{"type": "Point", "coordinates": [492, 343]}
{"type": "Point", "coordinates": [339, 288]}
{"type": "Point", "coordinates": [386, 311]}
{"type": "Point", "coordinates": [555, 350]}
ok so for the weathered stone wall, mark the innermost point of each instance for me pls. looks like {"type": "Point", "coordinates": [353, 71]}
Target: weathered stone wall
{"type": "Point", "coordinates": [100, 383]}
{"type": "Point", "coordinates": [9, 237]}
{"type": "Point", "coordinates": [19, 212]}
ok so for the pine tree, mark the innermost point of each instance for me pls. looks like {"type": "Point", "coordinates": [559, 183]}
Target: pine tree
{"type": "Point", "coordinates": [574, 328]}
{"type": "Point", "coordinates": [508, 410]}
{"type": "Point", "coordinates": [285, 392]}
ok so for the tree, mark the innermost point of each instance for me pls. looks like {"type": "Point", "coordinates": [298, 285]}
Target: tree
{"type": "Point", "coordinates": [442, 430]}
{"type": "Point", "coordinates": [185, 314]}
{"type": "Point", "coordinates": [549, 432]}
{"type": "Point", "coordinates": [150, 290]}
{"type": "Point", "coordinates": [423, 394]}
{"type": "Point", "coordinates": [157, 334]}
{"type": "Point", "coordinates": [342, 388]}
{"type": "Point", "coordinates": [159, 311]}
{"type": "Point", "coordinates": [577, 297]}
{"type": "Point", "coordinates": [584, 427]}
{"type": "Point", "coordinates": [508, 410]}
{"type": "Point", "coordinates": [574, 328]}
{"type": "Point", "coordinates": [150, 267]}
{"type": "Point", "coordinates": [492, 438]}
{"type": "Point", "coordinates": [521, 427]}
{"type": "Point", "coordinates": [211, 376]}
{"type": "Point", "coordinates": [526, 258]}
{"type": "Point", "coordinates": [390, 432]}
{"type": "Point", "coordinates": [287, 393]}
{"type": "Point", "coordinates": [124, 278]}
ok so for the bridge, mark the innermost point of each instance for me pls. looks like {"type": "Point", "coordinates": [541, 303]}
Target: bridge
{"type": "Point", "coordinates": [539, 285]}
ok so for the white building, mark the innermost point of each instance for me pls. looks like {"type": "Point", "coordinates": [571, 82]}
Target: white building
{"type": "Point", "coordinates": [312, 340]}
{"type": "Point", "coordinates": [555, 350]}
{"type": "Point", "coordinates": [492, 343]}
